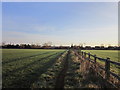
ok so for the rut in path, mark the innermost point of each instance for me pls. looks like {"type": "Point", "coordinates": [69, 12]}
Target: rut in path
{"type": "Point", "coordinates": [61, 76]}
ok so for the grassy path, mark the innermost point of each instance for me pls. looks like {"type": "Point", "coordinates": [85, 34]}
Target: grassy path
{"type": "Point", "coordinates": [62, 74]}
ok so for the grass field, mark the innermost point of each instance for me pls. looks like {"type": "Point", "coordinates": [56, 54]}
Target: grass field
{"type": "Point", "coordinates": [45, 68]}
{"type": "Point", "coordinates": [20, 67]}
{"type": "Point", "coordinates": [112, 54]}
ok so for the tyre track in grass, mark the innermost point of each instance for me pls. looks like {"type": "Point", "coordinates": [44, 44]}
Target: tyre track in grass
{"type": "Point", "coordinates": [73, 73]}
{"type": "Point", "coordinates": [16, 59]}
{"type": "Point", "coordinates": [62, 74]}
{"type": "Point", "coordinates": [26, 66]}
{"type": "Point", "coordinates": [48, 79]}
{"type": "Point", "coordinates": [31, 77]}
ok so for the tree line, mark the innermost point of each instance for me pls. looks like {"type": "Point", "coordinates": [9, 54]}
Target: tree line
{"type": "Point", "coordinates": [49, 46]}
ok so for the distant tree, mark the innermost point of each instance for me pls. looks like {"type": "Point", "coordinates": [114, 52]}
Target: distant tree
{"type": "Point", "coordinates": [97, 47]}
{"type": "Point", "coordinates": [17, 46]}
{"type": "Point", "coordinates": [102, 46]}
{"type": "Point", "coordinates": [22, 45]}
{"type": "Point", "coordinates": [87, 47]}
{"type": "Point", "coordinates": [71, 45]}
{"type": "Point", "coordinates": [81, 46]}
{"type": "Point", "coordinates": [3, 43]}
{"type": "Point", "coordinates": [47, 45]}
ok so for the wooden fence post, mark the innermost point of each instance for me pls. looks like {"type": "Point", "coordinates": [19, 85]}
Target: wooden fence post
{"type": "Point", "coordinates": [95, 65]}
{"type": "Point", "coordinates": [107, 69]}
{"type": "Point", "coordinates": [85, 54]}
{"type": "Point", "coordinates": [95, 59]}
{"type": "Point", "coordinates": [89, 55]}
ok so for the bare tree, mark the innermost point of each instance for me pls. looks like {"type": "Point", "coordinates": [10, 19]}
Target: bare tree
{"type": "Point", "coordinates": [3, 43]}
{"type": "Point", "coordinates": [47, 45]}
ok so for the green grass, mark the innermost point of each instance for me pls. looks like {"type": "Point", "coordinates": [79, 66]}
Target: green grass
{"type": "Point", "coordinates": [11, 54]}
{"type": "Point", "coordinates": [48, 79]}
{"type": "Point", "coordinates": [112, 54]}
{"type": "Point", "coordinates": [22, 67]}
{"type": "Point", "coordinates": [73, 75]}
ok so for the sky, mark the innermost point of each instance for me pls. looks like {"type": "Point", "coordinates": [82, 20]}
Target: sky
{"type": "Point", "coordinates": [0, 22]}
{"type": "Point", "coordinates": [62, 23]}
{"type": "Point", "coordinates": [60, 0]}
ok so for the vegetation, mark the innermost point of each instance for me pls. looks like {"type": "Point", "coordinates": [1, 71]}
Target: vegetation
{"type": "Point", "coordinates": [49, 45]}
{"type": "Point", "coordinates": [73, 76]}
{"type": "Point", "coordinates": [51, 68]}
{"type": "Point", "coordinates": [22, 71]}
{"type": "Point", "coordinates": [112, 54]}
{"type": "Point", "coordinates": [48, 79]}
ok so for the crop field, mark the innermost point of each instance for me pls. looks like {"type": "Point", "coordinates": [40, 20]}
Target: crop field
{"type": "Point", "coordinates": [47, 68]}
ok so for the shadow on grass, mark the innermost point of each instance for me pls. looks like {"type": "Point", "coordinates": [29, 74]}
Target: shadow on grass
{"type": "Point", "coordinates": [29, 78]}
{"type": "Point", "coordinates": [94, 80]}
{"type": "Point", "coordinates": [16, 59]}
{"type": "Point", "coordinates": [26, 66]}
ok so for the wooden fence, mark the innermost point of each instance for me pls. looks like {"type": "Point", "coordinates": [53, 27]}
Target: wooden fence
{"type": "Point", "coordinates": [106, 68]}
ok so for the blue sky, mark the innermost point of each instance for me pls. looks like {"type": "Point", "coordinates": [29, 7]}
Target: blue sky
{"type": "Point", "coordinates": [1, 22]}
{"type": "Point", "coordinates": [61, 23]}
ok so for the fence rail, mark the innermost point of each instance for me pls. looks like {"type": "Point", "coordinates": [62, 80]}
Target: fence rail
{"type": "Point", "coordinates": [107, 64]}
